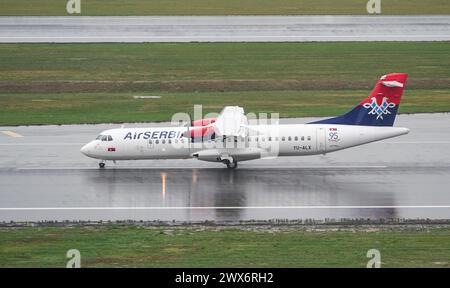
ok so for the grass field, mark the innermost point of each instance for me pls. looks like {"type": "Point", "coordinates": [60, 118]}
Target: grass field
{"type": "Point", "coordinates": [217, 7]}
{"type": "Point", "coordinates": [226, 247]}
{"type": "Point", "coordinates": [68, 108]}
{"type": "Point", "coordinates": [332, 65]}
{"type": "Point", "coordinates": [92, 83]}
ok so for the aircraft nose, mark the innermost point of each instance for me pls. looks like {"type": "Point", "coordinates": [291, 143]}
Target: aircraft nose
{"type": "Point", "coordinates": [86, 149]}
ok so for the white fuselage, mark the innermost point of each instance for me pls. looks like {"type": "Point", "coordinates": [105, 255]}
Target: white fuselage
{"type": "Point", "coordinates": [267, 141]}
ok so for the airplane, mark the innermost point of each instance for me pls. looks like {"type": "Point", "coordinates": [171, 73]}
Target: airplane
{"type": "Point", "coordinates": [231, 138]}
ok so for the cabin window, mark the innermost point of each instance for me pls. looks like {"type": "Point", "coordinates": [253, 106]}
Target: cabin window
{"type": "Point", "coordinates": [110, 138]}
{"type": "Point", "coordinates": [249, 139]}
{"type": "Point", "coordinates": [104, 138]}
{"type": "Point", "coordinates": [99, 137]}
{"type": "Point", "coordinates": [263, 139]}
{"type": "Point", "coordinates": [296, 138]}
{"type": "Point", "coordinates": [270, 139]}
{"type": "Point", "coordinates": [150, 142]}
{"type": "Point", "coordinates": [283, 138]}
{"type": "Point", "coordinates": [276, 138]}
{"type": "Point", "coordinates": [289, 138]}
{"type": "Point", "coordinates": [169, 141]}
{"type": "Point", "coordinates": [309, 138]}
{"type": "Point", "coordinates": [303, 138]}
{"type": "Point", "coordinates": [163, 141]}
{"type": "Point", "coordinates": [157, 141]}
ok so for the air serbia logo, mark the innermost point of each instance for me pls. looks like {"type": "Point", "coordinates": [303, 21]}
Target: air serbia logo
{"type": "Point", "coordinates": [379, 110]}
{"type": "Point", "coordinates": [153, 135]}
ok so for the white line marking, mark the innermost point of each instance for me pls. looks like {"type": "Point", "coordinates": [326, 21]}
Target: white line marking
{"type": "Point", "coordinates": [199, 167]}
{"type": "Point", "coordinates": [112, 168]}
{"type": "Point", "coordinates": [222, 36]}
{"type": "Point", "coordinates": [244, 37]}
{"type": "Point", "coordinates": [201, 24]}
{"type": "Point", "coordinates": [11, 134]}
{"type": "Point", "coordinates": [231, 207]}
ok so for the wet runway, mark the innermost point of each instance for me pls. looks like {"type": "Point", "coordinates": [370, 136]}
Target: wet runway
{"type": "Point", "coordinates": [44, 177]}
{"type": "Point", "coordinates": [88, 29]}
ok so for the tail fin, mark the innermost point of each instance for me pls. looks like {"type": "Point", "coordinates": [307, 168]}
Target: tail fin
{"type": "Point", "coordinates": [380, 108]}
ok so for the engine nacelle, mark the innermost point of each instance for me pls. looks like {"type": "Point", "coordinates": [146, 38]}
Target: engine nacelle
{"type": "Point", "coordinates": [200, 133]}
{"type": "Point", "coordinates": [211, 155]}
{"type": "Point", "coordinates": [200, 130]}
{"type": "Point", "coordinates": [203, 122]}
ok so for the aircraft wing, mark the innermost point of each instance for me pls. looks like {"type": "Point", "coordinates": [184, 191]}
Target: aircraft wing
{"type": "Point", "coordinates": [231, 122]}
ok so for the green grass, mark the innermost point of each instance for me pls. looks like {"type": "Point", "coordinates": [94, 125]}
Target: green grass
{"type": "Point", "coordinates": [344, 65]}
{"type": "Point", "coordinates": [92, 83]}
{"type": "Point", "coordinates": [219, 7]}
{"type": "Point", "coordinates": [67, 108]}
{"type": "Point", "coordinates": [195, 247]}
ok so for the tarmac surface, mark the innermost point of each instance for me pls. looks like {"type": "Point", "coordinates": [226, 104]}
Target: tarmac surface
{"type": "Point", "coordinates": [87, 29]}
{"type": "Point", "coordinates": [43, 176]}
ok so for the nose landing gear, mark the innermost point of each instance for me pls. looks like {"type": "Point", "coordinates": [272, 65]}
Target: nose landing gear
{"type": "Point", "coordinates": [101, 164]}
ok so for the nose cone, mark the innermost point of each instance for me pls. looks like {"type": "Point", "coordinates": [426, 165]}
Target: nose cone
{"type": "Point", "coordinates": [86, 150]}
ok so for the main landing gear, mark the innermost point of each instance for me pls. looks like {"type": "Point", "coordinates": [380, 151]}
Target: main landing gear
{"type": "Point", "coordinates": [230, 164]}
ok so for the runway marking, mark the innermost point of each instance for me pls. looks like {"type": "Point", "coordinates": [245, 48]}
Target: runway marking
{"type": "Point", "coordinates": [11, 134]}
{"type": "Point", "coordinates": [231, 207]}
{"type": "Point", "coordinates": [112, 168]}
{"type": "Point", "coordinates": [244, 37]}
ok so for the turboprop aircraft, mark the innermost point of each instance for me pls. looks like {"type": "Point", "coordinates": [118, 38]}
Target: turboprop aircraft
{"type": "Point", "coordinates": [231, 137]}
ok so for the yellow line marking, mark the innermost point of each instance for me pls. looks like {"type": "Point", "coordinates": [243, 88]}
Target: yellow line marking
{"type": "Point", "coordinates": [12, 134]}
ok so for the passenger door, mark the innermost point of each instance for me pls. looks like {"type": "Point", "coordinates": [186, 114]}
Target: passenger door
{"type": "Point", "coordinates": [320, 140]}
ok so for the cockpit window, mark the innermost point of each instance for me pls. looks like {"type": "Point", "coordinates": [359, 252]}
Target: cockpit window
{"type": "Point", "coordinates": [104, 137]}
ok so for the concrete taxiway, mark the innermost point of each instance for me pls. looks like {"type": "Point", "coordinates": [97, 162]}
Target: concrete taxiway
{"type": "Point", "coordinates": [43, 176]}
{"type": "Point", "coordinates": [89, 29]}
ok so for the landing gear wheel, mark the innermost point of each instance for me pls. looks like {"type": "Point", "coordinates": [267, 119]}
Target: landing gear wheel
{"type": "Point", "coordinates": [101, 165]}
{"type": "Point", "coordinates": [231, 165]}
